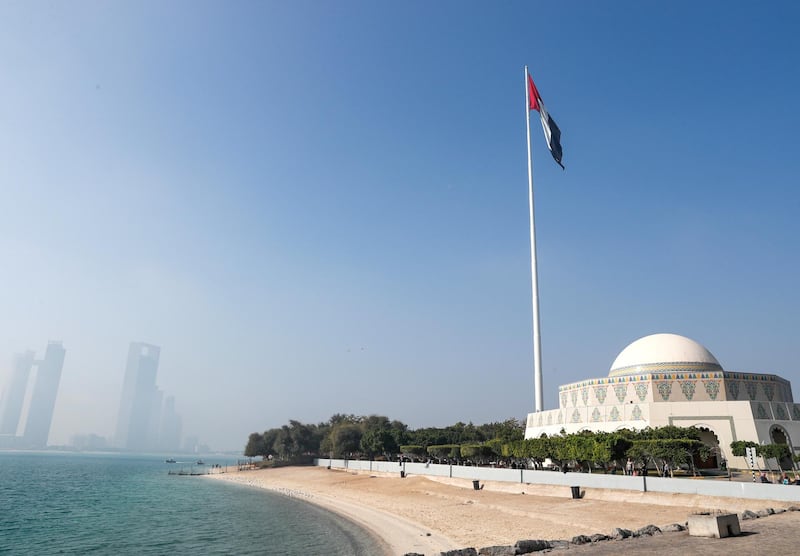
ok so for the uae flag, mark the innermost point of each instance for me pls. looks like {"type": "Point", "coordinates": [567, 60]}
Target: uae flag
{"type": "Point", "coordinates": [551, 132]}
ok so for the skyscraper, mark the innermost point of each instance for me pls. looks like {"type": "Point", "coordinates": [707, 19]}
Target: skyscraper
{"type": "Point", "coordinates": [170, 437]}
{"type": "Point", "coordinates": [139, 392]}
{"type": "Point", "coordinates": [43, 397]}
{"type": "Point", "coordinates": [14, 393]}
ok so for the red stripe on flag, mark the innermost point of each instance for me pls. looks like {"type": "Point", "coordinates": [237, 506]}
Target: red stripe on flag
{"type": "Point", "coordinates": [533, 95]}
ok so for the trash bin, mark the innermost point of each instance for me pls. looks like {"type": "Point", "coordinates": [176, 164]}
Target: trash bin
{"type": "Point", "coordinates": [476, 485]}
{"type": "Point", "coordinates": [576, 492]}
{"type": "Point", "coordinates": [402, 474]}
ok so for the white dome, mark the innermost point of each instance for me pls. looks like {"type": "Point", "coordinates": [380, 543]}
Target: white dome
{"type": "Point", "coordinates": [663, 352]}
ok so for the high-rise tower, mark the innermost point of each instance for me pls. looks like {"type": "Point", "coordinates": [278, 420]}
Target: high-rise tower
{"type": "Point", "coordinates": [139, 393]}
{"type": "Point", "coordinates": [14, 393]}
{"type": "Point", "coordinates": [43, 397]}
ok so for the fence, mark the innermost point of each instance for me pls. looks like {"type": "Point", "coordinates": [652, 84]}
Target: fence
{"type": "Point", "coordinates": [725, 489]}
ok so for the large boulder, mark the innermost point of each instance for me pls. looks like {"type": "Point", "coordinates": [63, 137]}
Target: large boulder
{"type": "Point", "coordinates": [531, 545]}
{"type": "Point", "coordinates": [647, 531]}
{"type": "Point", "coordinates": [673, 528]}
{"type": "Point", "coordinates": [618, 533]}
{"type": "Point", "coordinates": [497, 551]}
{"type": "Point", "coordinates": [460, 552]}
{"type": "Point", "coordinates": [581, 539]}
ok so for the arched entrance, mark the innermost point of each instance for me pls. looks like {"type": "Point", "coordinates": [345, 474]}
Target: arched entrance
{"type": "Point", "coordinates": [710, 439]}
{"type": "Point", "coordinates": [778, 435]}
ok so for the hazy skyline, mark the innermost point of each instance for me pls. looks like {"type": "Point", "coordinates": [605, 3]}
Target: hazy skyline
{"type": "Point", "coordinates": [320, 207]}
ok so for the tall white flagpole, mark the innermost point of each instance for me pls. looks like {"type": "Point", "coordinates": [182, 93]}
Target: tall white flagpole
{"type": "Point", "coordinates": [537, 340]}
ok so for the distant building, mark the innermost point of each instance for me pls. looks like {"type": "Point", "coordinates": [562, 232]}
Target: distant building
{"type": "Point", "coordinates": [138, 393]}
{"type": "Point", "coordinates": [170, 435]}
{"type": "Point", "coordinates": [13, 396]}
{"type": "Point", "coordinates": [89, 442]}
{"type": "Point", "coordinates": [146, 421]}
{"type": "Point", "coordinates": [43, 397]}
{"type": "Point", "coordinates": [666, 379]}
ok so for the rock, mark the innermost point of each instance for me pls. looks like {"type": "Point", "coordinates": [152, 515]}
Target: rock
{"type": "Point", "coordinates": [460, 552]}
{"type": "Point", "coordinates": [409, 553]}
{"type": "Point", "coordinates": [581, 539]}
{"type": "Point", "coordinates": [647, 531]}
{"type": "Point", "coordinates": [532, 545]}
{"type": "Point", "coordinates": [597, 537]}
{"type": "Point", "coordinates": [621, 533]}
{"type": "Point", "coordinates": [780, 510]}
{"type": "Point", "coordinates": [497, 551]}
{"type": "Point", "coordinates": [747, 514]}
{"type": "Point", "coordinates": [763, 513]}
{"type": "Point", "coordinates": [559, 544]}
{"type": "Point", "coordinates": [673, 528]}
{"type": "Point", "coordinates": [793, 508]}
{"type": "Point", "coordinates": [770, 511]}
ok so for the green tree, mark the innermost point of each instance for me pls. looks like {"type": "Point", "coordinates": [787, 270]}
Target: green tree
{"type": "Point", "coordinates": [445, 451]}
{"type": "Point", "coordinates": [413, 450]}
{"type": "Point", "coordinates": [739, 447]}
{"type": "Point", "coordinates": [255, 445]}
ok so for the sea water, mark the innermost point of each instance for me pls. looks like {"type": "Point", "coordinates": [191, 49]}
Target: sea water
{"type": "Point", "coordinates": [54, 503]}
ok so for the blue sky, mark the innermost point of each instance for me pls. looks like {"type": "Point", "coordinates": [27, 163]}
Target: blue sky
{"type": "Point", "coordinates": [320, 207]}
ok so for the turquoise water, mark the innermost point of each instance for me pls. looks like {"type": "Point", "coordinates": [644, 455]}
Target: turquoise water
{"type": "Point", "coordinates": [121, 504]}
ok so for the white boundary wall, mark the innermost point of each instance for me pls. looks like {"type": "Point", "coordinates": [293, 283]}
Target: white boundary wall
{"type": "Point", "coordinates": [725, 489]}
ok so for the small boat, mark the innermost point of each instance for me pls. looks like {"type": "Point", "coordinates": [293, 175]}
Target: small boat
{"type": "Point", "coordinates": [170, 460]}
{"type": "Point", "coordinates": [200, 462]}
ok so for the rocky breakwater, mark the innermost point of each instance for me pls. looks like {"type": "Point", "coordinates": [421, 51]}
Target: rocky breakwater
{"type": "Point", "coordinates": [529, 546]}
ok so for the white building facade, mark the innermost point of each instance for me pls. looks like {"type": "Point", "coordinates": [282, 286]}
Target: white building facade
{"type": "Point", "coordinates": [667, 379]}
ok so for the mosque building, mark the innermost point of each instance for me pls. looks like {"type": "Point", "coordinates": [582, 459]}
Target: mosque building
{"type": "Point", "coordinates": [667, 379]}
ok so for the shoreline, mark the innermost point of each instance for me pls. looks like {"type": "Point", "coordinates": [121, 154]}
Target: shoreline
{"type": "Point", "coordinates": [396, 534]}
{"type": "Point", "coordinates": [427, 515]}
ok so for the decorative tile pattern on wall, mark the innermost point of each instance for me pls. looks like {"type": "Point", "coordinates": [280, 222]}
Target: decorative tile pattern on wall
{"type": "Point", "coordinates": [681, 368]}
{"type": "Point", "coordinates": [600, 393]}
{"type": "Point", "coordinates": [664, 390]}
{"type": "Point", "coordinates": [761, 413]}
{"type": "Point", "coordinates": [733, 389]}
{"type": "Point", "coordinates": [621, 391]}
{"type": "Point", "coordinates": [585, 396]}
{"type": "Point", "coordinates": [574, 396]}
{"type": "Point", "coordinates": [637, 413]}
{"type": "Point", "coordinates": [712, 388]}
{"type": "Point", "coordinates": [796, 412]}
{"type": "Point", "coordinates": [563, 399]}
{"type": "Point", "coordinates": [614, 414]}
{"type": "Point", "coordinates": [576, 416]}
{"type": "Point", "coordinates": [751, 390]}
{"type": "Point", "coordinates": [687, 387]}
{"type": "Point", "coordinates": [560, 418]}
{"type": "Point", "coordinates": [780, 412]}
{"type": "Point", "coordinates": [769, 390]}
{"type": "Point", "coordinates": [641, 391]}
{"type": "Point", "coordinates": [596, 418]}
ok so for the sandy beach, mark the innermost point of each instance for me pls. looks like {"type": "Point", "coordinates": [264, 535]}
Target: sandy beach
{"type": "Point", "coordinates": [420, 514]}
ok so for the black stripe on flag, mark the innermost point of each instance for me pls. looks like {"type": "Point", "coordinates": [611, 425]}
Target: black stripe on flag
{"type": "Point", "coordinates": [551, 133]}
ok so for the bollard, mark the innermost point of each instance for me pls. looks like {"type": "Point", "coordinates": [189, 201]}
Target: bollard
{"type": "Point", "coordinates": [576, 492]}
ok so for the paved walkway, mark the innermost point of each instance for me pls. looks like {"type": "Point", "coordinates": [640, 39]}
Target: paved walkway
{"type": "Point", "coordinates": [776, 534]}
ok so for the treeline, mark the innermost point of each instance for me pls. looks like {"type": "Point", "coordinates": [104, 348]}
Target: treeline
{"type": "Point", "coordinates": [502, 443]}
{"type": "Point", "coordinates": [370, 436]}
